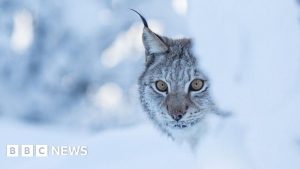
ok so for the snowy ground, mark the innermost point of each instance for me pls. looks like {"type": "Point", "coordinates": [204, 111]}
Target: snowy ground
{"type": "Point", "coordinates": [251, 52]}
{"type": "Point", "coordinates": [249, 49]}
{"type": "Point", "coordinates": [224, 146]}
{"type": "Point", "coordinates": [136, 147]}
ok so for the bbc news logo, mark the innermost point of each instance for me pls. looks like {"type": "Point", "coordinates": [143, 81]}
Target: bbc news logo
{"type": "Point", "coordinates": [44, 150]}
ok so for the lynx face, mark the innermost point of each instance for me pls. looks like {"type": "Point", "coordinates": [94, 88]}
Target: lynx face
{"type": "Point", "coordinates": [173, 90]}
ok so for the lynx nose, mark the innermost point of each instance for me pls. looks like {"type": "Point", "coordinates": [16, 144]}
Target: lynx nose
{"type": "Point", "coordinates": [177, 105]}
{"type": "Point", "coordinates": [177, 115]}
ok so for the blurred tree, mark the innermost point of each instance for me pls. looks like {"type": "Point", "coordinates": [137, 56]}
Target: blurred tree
{"type": "Point", "coordinates": [57, 56]}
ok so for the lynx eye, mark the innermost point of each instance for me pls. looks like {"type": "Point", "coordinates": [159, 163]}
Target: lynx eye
{"type": "Point", "coordinates": [161, 86]}
{"type": "Point", "coordinates": [196, 85]}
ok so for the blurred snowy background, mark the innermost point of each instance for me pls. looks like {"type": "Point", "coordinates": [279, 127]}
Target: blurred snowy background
{"type": "Point", "coordinates": [68, 74]}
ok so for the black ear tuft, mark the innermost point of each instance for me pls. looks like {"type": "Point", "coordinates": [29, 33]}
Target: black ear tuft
{"type": "Point", "coordinates": [143, 19]}
{"type": "Point", "coordinates": [153, 43]}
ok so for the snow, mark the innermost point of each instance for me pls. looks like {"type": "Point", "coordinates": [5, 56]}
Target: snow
{"type": "Point", "coordinates": [133, 147]}
{"type": "Point", "coordinates": [56, 81]}
{"type": "Point", "coordinates": [140, 146]}
{"type": "Point", "coordinates": [251, 52]}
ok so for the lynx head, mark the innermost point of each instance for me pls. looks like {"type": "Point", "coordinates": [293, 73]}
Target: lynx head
{"type": "Point", "coordinates": [173, 90]}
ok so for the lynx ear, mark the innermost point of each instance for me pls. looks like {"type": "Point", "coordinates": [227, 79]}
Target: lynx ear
{"type": "Point", "coordinates": [152, 42]}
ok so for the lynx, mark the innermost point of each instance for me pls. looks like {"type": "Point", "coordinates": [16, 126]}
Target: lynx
{"type": "Point", "coordinates": [173, 90]}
